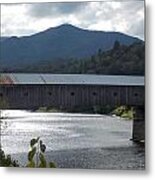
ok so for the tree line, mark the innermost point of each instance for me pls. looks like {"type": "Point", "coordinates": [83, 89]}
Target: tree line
{"type": "Point", "coordinates": [120, 60]}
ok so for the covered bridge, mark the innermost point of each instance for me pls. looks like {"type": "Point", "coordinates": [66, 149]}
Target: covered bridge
{"type": "Point", "coordinates": [69, 91]}
{"type": "Point", "coordinates": [29, 91]}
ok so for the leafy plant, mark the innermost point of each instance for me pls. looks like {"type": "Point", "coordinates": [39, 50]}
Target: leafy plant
{"type": "Point", "coordinates": [6, 160]}
{"type": "Point", "coordinates": [124, 112]}
{"type": "Point", "coordinates": [36, 155]}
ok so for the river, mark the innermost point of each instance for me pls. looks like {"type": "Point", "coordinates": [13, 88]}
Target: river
{"type": "Point", "coordinates": [73, 140]}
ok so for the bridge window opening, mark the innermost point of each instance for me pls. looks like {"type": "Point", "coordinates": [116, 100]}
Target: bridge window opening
{"type": "Point", "coordinates": [136, 94]}
{"type": "Point", "coordinates": [72, 93]}
{"type": "Point", "coordinates": [115, 94]}
{"type": "Point", "coordinates": [49, 93]}
{"type": "Point", "coordinates": [94, 93]}
{"type": "Point", "coordinates": [26, 94]}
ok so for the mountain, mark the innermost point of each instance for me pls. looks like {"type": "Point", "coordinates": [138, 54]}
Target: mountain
{"type": "Point", "coordinates": [120, 60]}
{"type": "Point", "coordinates": [59, 43]}
{"type": "Point", "coordinates": [3, 38]}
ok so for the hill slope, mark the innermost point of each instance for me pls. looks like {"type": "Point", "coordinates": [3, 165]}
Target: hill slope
{"type": "Point", "coordinates": [120, 60]}
{"type": "Point", "coordinates": [62, 42]}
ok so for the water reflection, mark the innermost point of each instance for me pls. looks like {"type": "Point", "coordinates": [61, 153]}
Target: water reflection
{"type": "Point", "coordinates": [63, 130]}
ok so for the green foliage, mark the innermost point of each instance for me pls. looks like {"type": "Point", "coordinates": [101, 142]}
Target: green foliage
{"type": "Point", "coordinates": [32, 153]}
{"type": "Point", "coordinates": [43, 162]}
{"type": "Point", "coordinates": [124, 112]}
{"type": "Point", "coordinates": [6, 160]}
{"type": "Point", "coordinates": [48, 109]}
{"type": "Point", "coordinates": [36, 156]}
{"type": "Point", "coordinates": [116, 45]}
{"type": "Point", "coordinates": [120, 60]}
{"type": "Point", "coordinates": [52, 165]}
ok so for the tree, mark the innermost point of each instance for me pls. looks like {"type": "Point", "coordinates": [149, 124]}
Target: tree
{"type": "Point", "coordinates": [99, 54]}
{"type": "Point", "coordinates": [116, 45]}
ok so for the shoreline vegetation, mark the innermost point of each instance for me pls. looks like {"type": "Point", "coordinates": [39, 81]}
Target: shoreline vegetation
{"type": "Point", "coordinates": [35, 157]}
{"type": "Point", "coordinates": [124, 112]}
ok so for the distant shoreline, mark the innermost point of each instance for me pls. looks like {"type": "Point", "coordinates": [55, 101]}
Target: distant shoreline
{"type": "Point", "coordinates": [120, 111]}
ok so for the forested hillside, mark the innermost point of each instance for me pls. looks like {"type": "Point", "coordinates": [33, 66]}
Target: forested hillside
{"type": "Point", "coordinates": [120, 60]}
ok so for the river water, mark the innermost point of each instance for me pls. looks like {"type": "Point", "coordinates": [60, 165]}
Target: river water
{"type": "Point", "coordinates": [73, 140]}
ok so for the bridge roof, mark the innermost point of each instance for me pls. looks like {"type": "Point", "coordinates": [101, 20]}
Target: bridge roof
{"type": "Point", "coordinates": [73, 79]}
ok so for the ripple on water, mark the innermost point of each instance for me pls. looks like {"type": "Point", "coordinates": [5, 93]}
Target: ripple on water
{"type": "Point", "coordinates": [64, 132]}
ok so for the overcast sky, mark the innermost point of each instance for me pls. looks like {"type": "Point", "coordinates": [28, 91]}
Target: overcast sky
{"type": "Point", "coordinates": [25, 19]}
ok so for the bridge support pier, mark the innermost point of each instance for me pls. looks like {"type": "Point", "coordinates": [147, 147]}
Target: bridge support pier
{"type": "Point", "coordinates": [138, 132]}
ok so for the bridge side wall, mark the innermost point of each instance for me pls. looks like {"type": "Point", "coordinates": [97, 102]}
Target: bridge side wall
{"type": "Point", "coordinates": [69, 96]}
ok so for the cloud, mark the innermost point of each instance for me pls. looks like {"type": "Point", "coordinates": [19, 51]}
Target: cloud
{"type": "Point", "coordinates": [45, 10]}
{"type": "Point", "coordinates": [13, 18]}
{"type": "Point", "coordinates": [25, 19]}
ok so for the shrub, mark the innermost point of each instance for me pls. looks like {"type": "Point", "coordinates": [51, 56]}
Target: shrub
{"type": "Point", "coordinates": [36, 156]}
{"type": "Point", "coordinates": [6, 160]}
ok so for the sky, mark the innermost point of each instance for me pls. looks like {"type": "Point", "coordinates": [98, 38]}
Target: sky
{"type": "Point", "coordinates": [25, 19]}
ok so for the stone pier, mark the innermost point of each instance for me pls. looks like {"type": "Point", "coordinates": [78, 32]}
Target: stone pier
{"type": "Point", "coordinates": [138, 132]}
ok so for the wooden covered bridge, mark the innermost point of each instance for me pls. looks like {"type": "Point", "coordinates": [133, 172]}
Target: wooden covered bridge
{"type": "Point", "coordinates": [67, 91]}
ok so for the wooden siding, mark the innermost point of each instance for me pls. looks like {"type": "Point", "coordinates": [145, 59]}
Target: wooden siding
{"type": "Point", "coordinates": [70, 96]}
